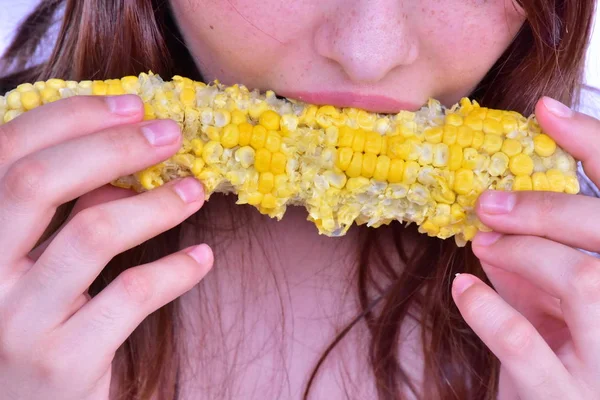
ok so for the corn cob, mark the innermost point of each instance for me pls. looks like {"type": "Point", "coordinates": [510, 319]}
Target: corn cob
{"type": "Point", "coordinates": [344, 165]}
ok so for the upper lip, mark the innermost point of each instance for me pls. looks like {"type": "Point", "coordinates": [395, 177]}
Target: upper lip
{"type": "Point", "coordinates": [369, 102]}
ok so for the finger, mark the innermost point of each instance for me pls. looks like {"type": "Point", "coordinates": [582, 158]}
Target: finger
{"type": "Point", "coordinates": [577, 133]}
{"type": "Point", "coordinates": [568, 219]}
{"type": "Point", "coordinates": [561, 271]}
{"type": "Point", "coordinates": [36, 185]}
{"type": "Point", "coordinates": [98, 196]}
{"type": "Point", "coordinates": [63, 120]}
{"type": "Point", "coordinates": [94, 236]}
{"type": "Point", "coordinates": [532, 365]}
{"type": "Point", "coordinates": [104, 323]}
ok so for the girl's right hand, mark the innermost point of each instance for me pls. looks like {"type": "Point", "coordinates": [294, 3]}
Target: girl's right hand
{"type": "Point", "coordinates": [56, 342]}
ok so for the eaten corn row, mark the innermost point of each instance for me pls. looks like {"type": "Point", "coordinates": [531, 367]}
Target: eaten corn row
{"type": "Point", "coordinates": [344, 165]}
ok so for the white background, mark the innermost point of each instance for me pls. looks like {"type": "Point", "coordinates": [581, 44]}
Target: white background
{"type": "Point", "coordinates": [12, 11]}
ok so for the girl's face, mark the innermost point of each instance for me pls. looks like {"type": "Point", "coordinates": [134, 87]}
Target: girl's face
{"type": "Point", "coordinates": [381, 55]}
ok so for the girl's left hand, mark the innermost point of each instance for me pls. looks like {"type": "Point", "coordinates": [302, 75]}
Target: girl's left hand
{"type": "Point", "coordinates": [543, 323]}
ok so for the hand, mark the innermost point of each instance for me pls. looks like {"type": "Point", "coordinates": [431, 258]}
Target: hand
{"type": "Point", "coordinates": [544, 321]}
{"type": "Point", "coordinates": [56, 342]}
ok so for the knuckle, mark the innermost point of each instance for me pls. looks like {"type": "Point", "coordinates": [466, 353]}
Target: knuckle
{"type": "Point", "coordinates": [25, 179]}
{"type": "Point", "coordinates": [515, 336]}
{"type": "Point", "coordinates": [585, 281]}
{"type": "Point", "coordinates": [8, 142]}
{"type": "Point", "coordinates": [92, 229]}
{"type": "Point", "coordinates": [52, 367]}
{"type": "Point", "coordinates": [137, 287]}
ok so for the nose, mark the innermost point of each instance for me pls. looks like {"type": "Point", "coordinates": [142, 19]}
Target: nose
{"type": "Point", "coordinates": [367, 38]}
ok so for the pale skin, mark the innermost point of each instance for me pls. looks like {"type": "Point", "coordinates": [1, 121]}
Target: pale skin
{"type": "Point", "coordinates": [543, 323]}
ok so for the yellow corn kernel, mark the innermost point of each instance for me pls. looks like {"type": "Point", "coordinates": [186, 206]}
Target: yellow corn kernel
{"type": "Point", "coordinates": [454, 120]}
{"type": "Point", "coordinates": [346, 136]}
{"type": "Point", "coordinates": [326, 116]}
{"type": "Point", "coordinates": [498, 164]}
{"type": "Point", "coordinates": [523, 182]}
{"type": "Point", "coordinates": [440, 155]}
{"type": "Point", "coordinates": [366, 120]}
{"type": "Point", "coordinates": [130, 83]}
{"type": "Point", "coordinates": [269, 201]}
{"type": "Point", "coordinates": [426, 154]}
{"type": "Point", "coordinates": [344, 157]}
{"type": "Point", "coordinates": [382, 168]}
{"type": "Point", "coordinates": [56, 83]}
{"type": "Point", "coordinates": [270, 120]}
{"type": "Point", "coordinates": [429, 227]}
{"type": "Point", "coordinates": [450, 134]}
{"type": "Point", "coordinates": [238, 117]}
{"type": "Point", "coordinates": [373, 143]}
{"type": "Point", "coordinates": [273, 142]}
{"type": "Point", "coordinates": [278, 163]}
{"type": "Point", "coordinates": [262, 161]}
{"type": "Point", "coordinates": [30, 100]}
{"type": "Point", "coordinates": [197, 166]}
{"type": "Point", "coordinates": [457, 213]}
{"type": "Point", "coordinates": [384, 144]}
{"type": "Point", "coordinates": [464, 181]}
{"type": "Point", "coordinates": [231, 136]}
{"type": "Point", "coordinates": [441, 217]}
{"type": "Point", "coordinates": [540, 181]}
{"type": "Point", "coordinates": [471, 158]}
{"type": "Point", "coordinates": [521, 164]}
{"type": "Point", "coordinates": [556, 180]}
{"type": "Point", "coordinates": [571, 185]}
{"type": "Point", "coordinates": [266, 181]}
{"type": "Point", "coordinates": [434, 135]}
{"type": "Point", "coordinates": [464, 137]}
{"type": "Point", "coordinates": [13, 100]}
{"type": "Point", "coordinates": [259, 137]}
{"type": "Point", "coordinates": [478, 139]}
{"type": "Point", "coordinates": [368, 165]}
{"type": "Point", "coordinates": [411, 172]}
{"type": "Point", "coordinates": [355, 167]}
{"type": "Point", "coordinates": [245, 155]}
{"type": "Point", "coordinates": [492, 143]}
{"type": "Point", "coordinates": [509, 125]}
{"type": "Point", "coordinates": [99, 88]}
{"type": "Point", "coordinates": [255, 198]}
{"type": "Point", "coordinates": [222, 117]}
{"type": "Point", "coordinates": [511, 147]}
{"type": "Point", "coordinates": [455, 158]}
{"type": "Point", "coordinates": [246, 130]}
{"type": "Point", "coordinates": [49, 95]}
{"type": "Point", "coordinates": [149, 111]}
{"type": "Point", "coordinates": [492, 127]}
{"type": "Point", "coordinates": [544, 145]}
{"type": "Point", "coordinates": [197, 146]}
{"type": "Point", "coordinates": [358, 144]}
{"type": "Point", "coordinates": [212, 152]}
{"type": "Point", "coordinates": [473, 122]}
{"type": "Point", "coordinates": [356, 184]}
{"type": "Point", "coordinates": [188, 96]}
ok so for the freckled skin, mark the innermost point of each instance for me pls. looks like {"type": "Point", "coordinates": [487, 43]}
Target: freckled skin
{"type": "Point", "coordinates": [409, 50]}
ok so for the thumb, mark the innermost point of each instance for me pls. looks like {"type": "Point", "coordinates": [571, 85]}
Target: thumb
{"type": "Point", "coordinates": [103, 194]}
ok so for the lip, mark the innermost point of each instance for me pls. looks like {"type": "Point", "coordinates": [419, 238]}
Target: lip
{"type": "Point", "coordinates": [373, 103]}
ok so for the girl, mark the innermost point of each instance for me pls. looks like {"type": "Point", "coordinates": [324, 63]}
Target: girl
{"type": "Point", "coordinates": [108, 294]}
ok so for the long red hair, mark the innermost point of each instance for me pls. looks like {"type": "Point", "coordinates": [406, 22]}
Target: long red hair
{"type": "Point", "coordinates": [106, 39]}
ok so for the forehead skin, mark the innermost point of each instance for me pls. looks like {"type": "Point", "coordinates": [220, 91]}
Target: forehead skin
{"type": "Point", "coordinates": [409, 50]}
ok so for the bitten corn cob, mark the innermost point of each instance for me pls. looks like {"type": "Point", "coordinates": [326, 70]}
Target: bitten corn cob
{"type": "Point", "coordinates": [344, 165]}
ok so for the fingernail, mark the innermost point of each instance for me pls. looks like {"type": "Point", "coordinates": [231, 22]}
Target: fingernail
{"type": "Point", "coordinates": [201, 253]}
{"type": "Point", "coordinates": [462, 282]}
{"type": "Point", "coordinates": [486, 238]}
{"type": "Point", "coordinates": [124, 105]}
{"type": "Point", "coordinates": [496, 202]}
{"type": "Point", "coordinates": [161, 132]}
{"type": "Point", "coordinates": [189, 189]}
{"type": "Point", "coordinates": [557, 108]}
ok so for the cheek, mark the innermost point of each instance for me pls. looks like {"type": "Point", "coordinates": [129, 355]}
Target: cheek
{"type": "Point", "coordinates": [228, 36]}
{"type": "Point", "coordinates": [466, 38]}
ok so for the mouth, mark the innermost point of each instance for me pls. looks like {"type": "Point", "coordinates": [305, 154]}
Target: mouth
{"type": "Point", "coordinates": [372, 103]}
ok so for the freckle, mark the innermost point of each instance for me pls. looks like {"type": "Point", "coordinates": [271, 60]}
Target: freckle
{"type": "Point", "coordinates": [212, 27]}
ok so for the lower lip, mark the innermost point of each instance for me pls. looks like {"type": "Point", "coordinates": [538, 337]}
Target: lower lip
{"type": "Point", "coordinates": [379, 104]}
